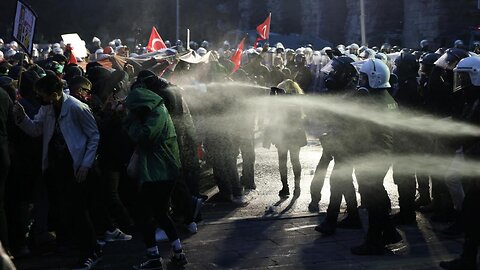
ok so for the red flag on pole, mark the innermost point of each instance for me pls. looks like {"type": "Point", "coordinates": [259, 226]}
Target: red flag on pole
{"type": "Point", "coordinates": [156, 42]}
{"type": "Point", "coordinates": [264, 30]}
{"type": "Point", "coordinates": [71, 58]}
{"type": "Point", "coordinates": [237, 56]}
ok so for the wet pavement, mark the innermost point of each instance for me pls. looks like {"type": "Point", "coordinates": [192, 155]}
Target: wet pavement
{"type": "Point", "coordinates": [271, 233]}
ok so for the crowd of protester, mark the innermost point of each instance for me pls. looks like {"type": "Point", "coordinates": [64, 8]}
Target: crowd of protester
{"type": "Point", "coordinates": [95, 148]}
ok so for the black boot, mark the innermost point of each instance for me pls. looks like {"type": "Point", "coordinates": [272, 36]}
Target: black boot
{"type": "Point", "coordinates": [352, 221]}
{"type": "Point", "coordinates": [327, 227]}
{"type": "Point", "coordinates": [284, 192]}
{"type": "Point", "coordinates": [405, 218]}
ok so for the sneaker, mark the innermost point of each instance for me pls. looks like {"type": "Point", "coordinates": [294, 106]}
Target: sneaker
{"type": "Point", "coordinates": [392, 237]}
{"type": "Point", "coordinates": [350, 222]}
{"type": "Point", "coordinates": [88, 263]}
{"type": "Point", "coordinates": [313, 207]}
{"type": "Point", "coordinates": [160, 235]}
{"type": "Point", "coordinates": [150, 263]}
{"type": "Point", "coordinates": [239, 200]}
{"type": "Point", "coordinates": [192, 227]}
{"type": "Point", "coordinates": [284, 193]}
{"type": "Point", "coordinates": [179, 258]}
{"type": "Point", "coordinates": [116, 235]}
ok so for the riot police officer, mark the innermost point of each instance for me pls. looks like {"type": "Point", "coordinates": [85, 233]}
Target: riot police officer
{"type": "Point", "coordinates": [341, 80]}
{"type": "Point", "coordinates": [467, 75]}
{"type": "Point", "coordinates": [377, 142]}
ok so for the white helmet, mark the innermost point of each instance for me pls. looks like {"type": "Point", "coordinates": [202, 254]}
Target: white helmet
{"type": "Point", "coordinates": [382, 57]}
{"type": "Point", "coordinates": [354, 46]}
{"type": "Point", "coordinates": [57, 50]}
{"type": "Point", "coordinates": [14, 45]}
{"type": "Point", "coordinates": [470, 66]}
{"type": "Point", "coordinates": [424, 43]}
{"type": "Point", "coordinates": [56, 45]}
{"type": "Point", "coordinates": [377, 72]}
{"type": "Point", "coordinates": [279, 45]}
{"type": "Point", "coordinates": [300, 50]}
{"type": "Point", "coordinates": [11, 52]}
{"type": "Point", "coordinates": [96, 39]}
{"type": "Point", "coordinates": [202, 51]}
{"type": "Point", "coordinates": [458, 43]}
{"type": "Point", "coordinates": [354, 57]}
{"type": "Point", "coordinates": [367, 54]}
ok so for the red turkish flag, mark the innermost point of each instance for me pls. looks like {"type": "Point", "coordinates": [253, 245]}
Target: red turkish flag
{"type": "Point", "coordinates": [156, 42]}
{"type": "Point", "coordinates": [71, 58]}
{"type": "Point", "coordinates": [264, 28]}
{"type": "Point", "coordinates": [237, 56]}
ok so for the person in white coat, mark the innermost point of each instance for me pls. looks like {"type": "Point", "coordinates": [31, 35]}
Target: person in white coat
{"type": "Point", "coordinates": [70, 141]}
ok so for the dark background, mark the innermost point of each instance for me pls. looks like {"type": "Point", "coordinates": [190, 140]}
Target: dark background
{"type": "Point", "coordinates": [401, 22]}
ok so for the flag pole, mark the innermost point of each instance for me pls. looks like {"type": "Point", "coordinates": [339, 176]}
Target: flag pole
{"type": "Point", "coordinates": [269, 29]}
{"type": "Point", "coordinates": [362, 22]}
{"type": "Point", "coordinates": [178, 20]}
{"type": "Point", "coordinates": [188, 39]}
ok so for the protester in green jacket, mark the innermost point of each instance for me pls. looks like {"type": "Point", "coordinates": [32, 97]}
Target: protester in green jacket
{"type": "Point", "coordinates": [158, 166]}
{"type": "Point", "coordinates": [151, 128]}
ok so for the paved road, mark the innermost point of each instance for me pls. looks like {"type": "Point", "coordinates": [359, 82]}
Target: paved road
{"type": "Point", "coordinates": [249, 238]}
{"type": "Point", "coordinates": [268, 183]}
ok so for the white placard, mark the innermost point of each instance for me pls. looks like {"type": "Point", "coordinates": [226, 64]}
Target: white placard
{"type": "Point", "coordinates": [24, 26]}
{"type": "Point", "coordinates": [78, 45]}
